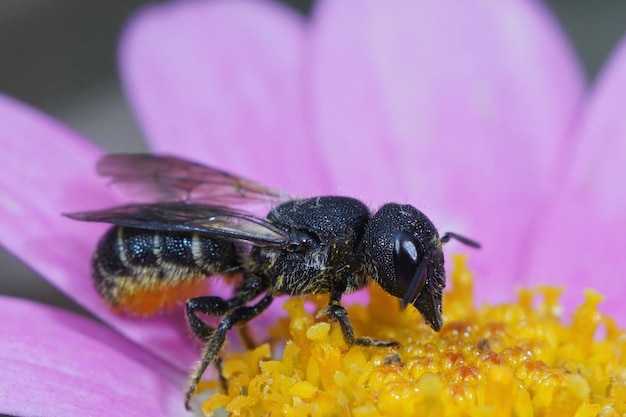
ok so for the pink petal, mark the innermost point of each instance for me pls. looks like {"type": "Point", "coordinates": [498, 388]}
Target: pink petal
{"type": "Point", "coordinates": [460, 108]}
{"type": "Point", "coordinates": [47, 170]}
{"type": "Point", "coordinates": [55, 363]}
{"type": "Point", "coordinates": [221, 82]}
{"type": "Point", "coordinates": [581, 241]}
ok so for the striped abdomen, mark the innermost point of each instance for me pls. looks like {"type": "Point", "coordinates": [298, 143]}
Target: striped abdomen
{"type": "Point", "coordinates": [143, 271]}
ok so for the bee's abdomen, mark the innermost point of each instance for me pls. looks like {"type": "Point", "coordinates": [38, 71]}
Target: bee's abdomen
{"type": "Point", "coordinates": [143, 271]}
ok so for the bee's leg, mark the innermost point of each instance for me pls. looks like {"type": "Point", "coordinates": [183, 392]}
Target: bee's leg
{"type": "Point", "coordinates": [218, 366]}
{"type": "Point", "coordinates": [249, 289]}
{"type": "Point", "coordinates": [336, 312]}
{"type": "Point", "coordinates": [246, 337]}
{"type": "Point", "coordinates": [217, 306]}
{"type": "Point", "coordinates": [212, 306]}
{"type": "Point", "coordinates": [213, 345]}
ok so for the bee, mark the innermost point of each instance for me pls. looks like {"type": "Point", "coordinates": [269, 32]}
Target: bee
{"type": "Point", "coordinates": [197, 225]}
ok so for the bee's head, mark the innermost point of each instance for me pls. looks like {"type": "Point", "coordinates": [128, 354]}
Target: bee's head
{"type": "Point", "coordinates": [405, 248]}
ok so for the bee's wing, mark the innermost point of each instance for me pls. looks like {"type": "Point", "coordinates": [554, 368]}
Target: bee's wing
{"type": "Point", "coordinates": [219, 221]}
{"type": "Point", "coordinates": [150, 177]}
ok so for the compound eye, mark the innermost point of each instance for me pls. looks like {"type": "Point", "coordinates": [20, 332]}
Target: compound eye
{"type": "Point", "coordinates": [406, 259]}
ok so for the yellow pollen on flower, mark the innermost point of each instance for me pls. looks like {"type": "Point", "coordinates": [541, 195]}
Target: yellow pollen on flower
{"type": "Point", "coordinates": [516, 359]}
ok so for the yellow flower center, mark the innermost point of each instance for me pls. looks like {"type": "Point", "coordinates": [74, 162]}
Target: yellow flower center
{"type": "Point", "coordinates": [509, 360]}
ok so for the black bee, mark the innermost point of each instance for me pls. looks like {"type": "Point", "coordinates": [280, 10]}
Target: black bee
{"type": "Point", "coordinates": [157, 253]}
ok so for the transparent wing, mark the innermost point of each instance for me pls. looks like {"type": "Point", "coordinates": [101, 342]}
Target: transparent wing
{"type": "Point", "coordinates": [147, 177]}
{"type": "Point", "coordinates": [210, 220]}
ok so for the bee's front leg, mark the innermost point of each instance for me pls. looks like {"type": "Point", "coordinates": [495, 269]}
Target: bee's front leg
{"type": "Point", "coordinates": [336, 312]}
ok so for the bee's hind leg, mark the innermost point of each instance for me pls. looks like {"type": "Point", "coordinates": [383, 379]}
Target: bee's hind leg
{"type": "Point", "coordinates": [249, 289]}
{"type": "Point", "coordinates": [211, 306]}
{"type": "Point", "coordinates": [214, 306]}
{"type": "Point", "coordinates": [216, 338]}
{"type": "Point", "coordinates": [218, 306]}
{"type": "Point", "coordinates": [246, 337]}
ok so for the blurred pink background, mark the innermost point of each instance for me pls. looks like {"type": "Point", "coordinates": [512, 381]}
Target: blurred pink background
{"type": "Point", "coordinates": [59, 57]}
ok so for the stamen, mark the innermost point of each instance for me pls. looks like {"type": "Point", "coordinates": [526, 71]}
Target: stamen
{"type": "Point", "coordinates": [513, 359]}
